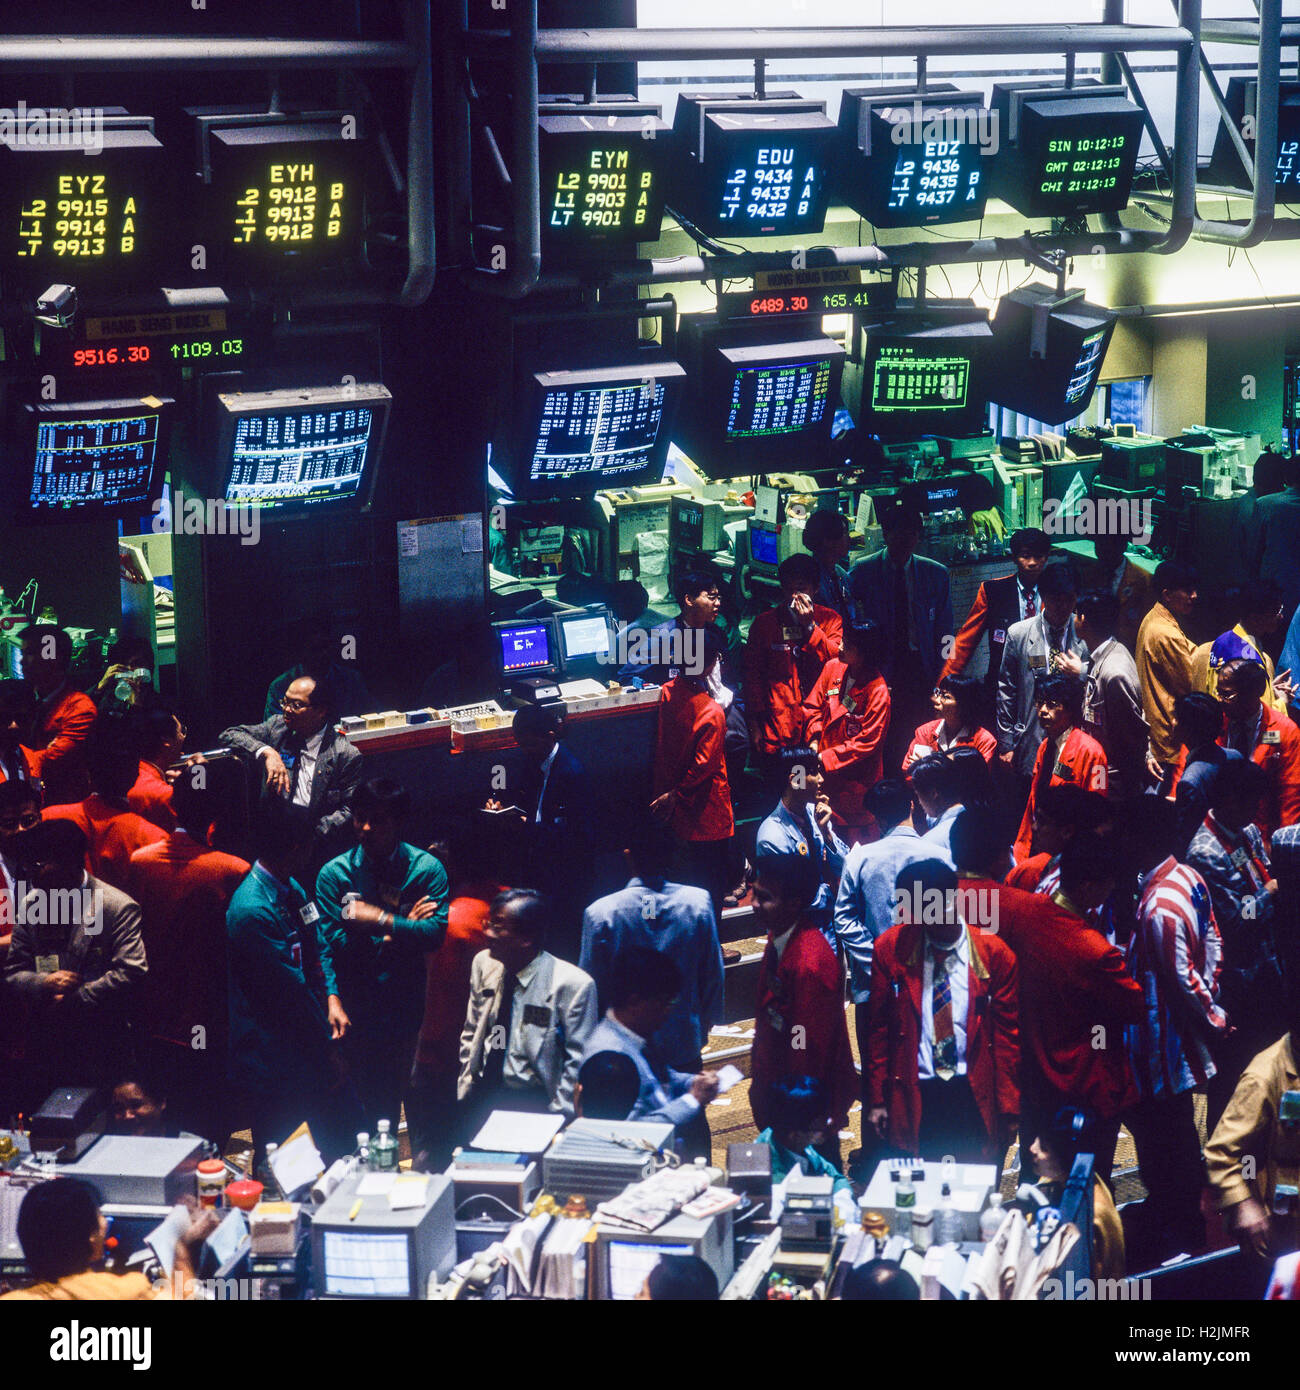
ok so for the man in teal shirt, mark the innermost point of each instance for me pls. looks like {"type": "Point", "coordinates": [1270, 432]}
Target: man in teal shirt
{"type": "Point", "coordinates": [801, 1117]}
{"type": "Point", "coordinates": [285, 1012]}
{"type": "Point", "coordinates": [383, 908]}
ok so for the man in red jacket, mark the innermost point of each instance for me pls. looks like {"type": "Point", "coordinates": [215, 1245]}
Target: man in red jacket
{"type": "Point", "coordinates": [943, 1049]}
{"type": "Point", "coordinates": [64, 715]}
{"type": "Point", "coordinates": [160, 740]}
{"type": "Point", "coordinates": [17, 763]}
{"type": "Point", "coordinates": [184, 888]}
{"type": "Point", "coordinates": [691, 793]}
{"type": "Point", "coordinates": [799, 1027]}
{"type": "Point", "coordinates": [1076, 999]}
{"type": "Point", "coordinates": [788, 647]}
{"type": "Point", "coordinates": [1066, 756]}
{"type": "Point", "coordinates": [1266, 737]}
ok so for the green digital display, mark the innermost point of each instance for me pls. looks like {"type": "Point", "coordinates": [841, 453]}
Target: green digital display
{"type": "Point", "coordinates": [905, 378]}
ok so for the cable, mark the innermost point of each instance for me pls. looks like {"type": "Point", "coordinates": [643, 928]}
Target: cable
{"type": "Point", "coordinates": [491, 1197]}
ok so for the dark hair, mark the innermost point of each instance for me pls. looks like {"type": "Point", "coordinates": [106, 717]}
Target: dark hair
{"type": "Point", "coordinates": [1256, 596]}
{"type": "Point", "coordinates": [1201, 716]}
{"type": "Point", "coordinates": [799, 1103]}
{"type": "Point", "coordinates": [111, 754]}
{"type": "Point", "coordinates": [1057, 580]}
{"type": "Point", "coordinates": [1250, 675]}
{"type": "Point", "coordinates": [927, 875]}
{"type": "Point", "coordinates": [536, 721]}
{"type": "Point", "coordinates": [56, 1223]}
{"type": "Point", "coordinates": [691, 583]}
{"type": "Point", "coordinates": [798, 568]}
{"type": "Point", "coordinates": [1072, 1131]}
{"type": "Point", "coordinates": [1101, 609]}
{"type": "Point", "coordinates": [796, 877]}
{"type": "Point", "coordinates": [1270, 473]}
{"type": "Point", "coordinates": [652, 848]}
{"type": "Point", "coordinates": [61, 840]}
{"type": "Point", "coordinates": [17, 793]}
{"type": "Point", "coordinates": [14, 695]}
{"type": "Point", "coordinates": [682, 1279]}
{"type": "Point", "coordinates": [966, 691]}
{"type": "Point", "coordinates": [324, 694]}
{"type": "Point", "coordinates": [530, 911]}
{"type": "Point", "coordinates": [880, 1281]}
{"type": "Point", "coordinates": [976, 841]}
{"type": "Point", "coordinates": [889, 801]}
{"type": "Point", "coordinates": [1238, 781]}
{"type": "Point", "coordinates": [934, 776]}
{"type": "Point", "coordinates": [822, 526]}
{"type": "Point", "coordinates": [1173, 574]}
{"type": "Point", "coordinates": [381, 796]}
{"type": "Point", "coordinates": [1061, 688]}
{"type": "Point", "coordinates": [898, 517]}
{"type": "Point", "coordinates": [1087, 858]}
{"type": "Point", "coordinates": [628, 599]}
{"type": "Point", "coordinates": [714, 646]}
{"type": "Point", "coordinates": [1068, 805]}
{"type": "Point", "coordinates": [1148, 829]}
{"type": "Point", "coordinates": [280, 828]}
{"type": "Point", "coordinates": [971, 778]}
{"type": "Point", "coordinates": [41, 632]}
{"type": "Point", "coordinates": [610, 1086]}
{"type": "Point", "coordinates": [1029, 540]}
{"type": "Point", "coordinates": [152, 724]}
{"type": "Point", "coordinates": [791, 758]}
{"type": "Point", "coordinates": [640, 973]}
{"type": "Point", "coordinates": [867, 639]}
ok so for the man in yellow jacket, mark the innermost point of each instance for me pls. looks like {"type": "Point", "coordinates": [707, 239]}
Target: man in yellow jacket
{"type": "Point", "coordinates": [1165, 657]}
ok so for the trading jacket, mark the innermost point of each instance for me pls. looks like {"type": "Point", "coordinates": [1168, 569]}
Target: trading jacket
{"type": "Point", "coordinates": [1277, 751]}
{"type": "Point", "coordinates": [781, 668]}
{"type": "Point", "coordinates": [996, 608]}
{"type": "Point", "coordinates": [60, 747]}
{"type": "Point", "coordinates": [1081, 762]}
{"type": "Point", "coordinates": [992, 1039]}
{"type": "Point", "coordinates": [112, 836]}
{"type": "Point", "coordinates": [151, 797]}
{"type": "Point", "coordinates": [689, 757]}
{"type": "Point", "coordinates": [1165, 657]}
{"type": "Point", "coordinates": [850, 736]}
{"type": "Point", "coordinates": [1025, 654]}
{"type": "Point", "coordinates": [1073, 982]}
{"type": "Point", "coordinates": [926, 741]}
{"type": "Point", "coordinates": [799, 1027]}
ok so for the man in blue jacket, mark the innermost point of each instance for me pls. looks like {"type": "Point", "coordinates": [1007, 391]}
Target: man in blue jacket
{"type": "Point", "coordinates": [383, 908]}
{"type": "Point", "coordinates": [908, 596]}
{"type": "Point", "coordinates": [285, 1011]}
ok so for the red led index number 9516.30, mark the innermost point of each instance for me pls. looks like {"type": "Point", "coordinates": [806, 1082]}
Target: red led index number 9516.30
{"type": "Point", "coordinates": [120, 355]}
{"type": "Point", "coordinates": [780, 304]}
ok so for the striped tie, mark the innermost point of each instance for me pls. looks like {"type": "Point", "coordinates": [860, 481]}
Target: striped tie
{"type": "Point", "coordinates": [945, 1040]}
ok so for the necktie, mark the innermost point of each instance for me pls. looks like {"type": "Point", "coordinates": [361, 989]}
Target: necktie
{"type": "Point", "coordinates": [945, 1040]}
{"type": "Point", "coordinates": [494, 1071]}
{"type": "Point", "coordinates": [902, 645]}
{"type": "Point", "coordinates": [1031, 608]}
{"type": "Point", "coordinates": [292, 755]}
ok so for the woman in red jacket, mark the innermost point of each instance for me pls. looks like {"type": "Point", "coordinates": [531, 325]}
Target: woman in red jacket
{"type": "Point", "coordinates": [957, 700]}
{"type": "Point", "coordinates": [847, 718]}
{"type": "Point", "coordinates": [1067, 756]}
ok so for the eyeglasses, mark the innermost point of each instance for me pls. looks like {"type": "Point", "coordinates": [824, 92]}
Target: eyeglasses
{"type": "Point", "coordinates": [26, 822]}
{"type": "Point", "coordinates": [295, 706]}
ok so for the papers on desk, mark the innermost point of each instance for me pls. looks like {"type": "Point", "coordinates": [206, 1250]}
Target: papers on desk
{"type": "Point", "coordinates": [225, 1241]}
{"type": "Point", "coordinates": [162, 1239]}
{"type": "Point", "coordinates": [408, 1190]}
{"type": "Point", "coordinates": [582, 689]}
{"type": "Point", "coordinates": [517, 1132]}
{"type": "Point", "coordinates": [728, 1077]}
{"type": "Point", "coordinates": [376, 1185]}
{"type": "Point", "coordinates": [297, 1162]}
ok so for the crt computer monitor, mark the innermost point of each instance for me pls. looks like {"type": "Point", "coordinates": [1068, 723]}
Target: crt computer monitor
{"type": "Point", "coordinates": [303, 451]}
{"type": "Point", "coordinates": [526, 647]}
{"type": "Point", "coordinates": [83, 459]}
{"type": "Point", "coordinates": [584, 642]}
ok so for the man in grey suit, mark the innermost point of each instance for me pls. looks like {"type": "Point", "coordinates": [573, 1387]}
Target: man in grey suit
{"type": "Point", "coordinates": [306, 760]}
{"type": "Point", "coordinates": [1040, 643]}
{"type": "Point", "coordinates": [908, 596]}
{"type": "Point", "coordinates": [1112, 702]}
{"type": "Point", "coordinates": [528, 1021]}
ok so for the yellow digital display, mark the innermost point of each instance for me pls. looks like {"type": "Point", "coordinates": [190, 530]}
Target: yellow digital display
{"type": "Point", "coordinates": [291, 204]}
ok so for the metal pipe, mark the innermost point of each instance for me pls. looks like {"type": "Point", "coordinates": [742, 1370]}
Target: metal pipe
{"type": "Point", "coordinates": [60, 53]}
{"type": "Point", "coordinates": [1187, 117]}
{"type": "Point", "coordinates": [455, 113]}
{"type": "Point", "coordinates": [1264, 201]}
{"type": "Point", "coordinates": [1204, 306]}
{"type": "Point", "coordinates": [421, 246]}
{"type": "Point", "coordinates": [624, 45]}
{"type": "Point", "coordinates": [760, 79]}
{"type": "Point", "coordinates": [525, 176]}
{"type": "Point", "coordinates": [1112, 12]}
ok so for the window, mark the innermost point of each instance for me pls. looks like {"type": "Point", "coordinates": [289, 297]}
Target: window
{"type": "Point", "coordinates": [1120, 402]}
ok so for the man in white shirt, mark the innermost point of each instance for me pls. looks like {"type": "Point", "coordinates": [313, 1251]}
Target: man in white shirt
{"type": "Point", "coordinates": [642, 993]}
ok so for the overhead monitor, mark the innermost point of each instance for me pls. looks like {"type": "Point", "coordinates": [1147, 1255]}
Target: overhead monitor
{"type": "Point", "coordinates": [909, 158]}
{"type": "Point", "coordinates": [576, 431]}
{"type": "Point", "coordinates": [1242, 101]}
{"type": "Point", "coordinates": [602, 172]}
{"type": "Point", "coordinates": [1065, 152]}
{"type": "Point", "coordinates": [747, 168]}
{"type": "Point", "coordinates": [527, 647]}
{"type": "Point", "coordinates": [922, 374]}
{"type": "Point", "coordinates": [757, 399]}
{"type": "Point", "coordinates": [90, 458]}
{"type": "Point", "coordinates": [82, 214]}
{"type": "Point", "coordinates": [301, 452]}
{"type": "Point", "coordinates": [1049, 375]}
{"type": "Point", "coordinates": [283, 195]}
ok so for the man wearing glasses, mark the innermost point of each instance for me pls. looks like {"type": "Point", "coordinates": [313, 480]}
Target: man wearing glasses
{"type": "Point", "coordinates": [307, 762]}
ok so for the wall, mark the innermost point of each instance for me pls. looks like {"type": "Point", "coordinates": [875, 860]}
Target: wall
{"type": "Point", "coordinates": [1178, 367]}
{"type": "Point", "coordinates": [1243, 372]}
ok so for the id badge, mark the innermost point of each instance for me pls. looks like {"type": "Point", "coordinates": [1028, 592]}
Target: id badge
{"type": "Point", "coordinates": [47, 965]}
{"type": "Point", "coordinates": [1270, 736]}
{"type": "Point", "coordinates": [536, 1016]}
{"type": "Point", "coordinates": [1238, 858]}
{"type": "Point", "coordinates": [308, 914]}
{"type": "Point", "coordinates": [850, 703]}
{"type": "Point", "coordinates": [1000, 634]}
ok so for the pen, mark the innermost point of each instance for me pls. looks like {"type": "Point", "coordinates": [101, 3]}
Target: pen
{"type": "Point", "coordinates": [356, 1207]}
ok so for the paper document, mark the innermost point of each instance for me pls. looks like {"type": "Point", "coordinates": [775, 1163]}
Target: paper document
{"type": "Point", "coordinates": [376, 1184]}
{"type": "Point", "coordinates": [225, 1241]}
{"type": "Point", "coordinates": [728, 1076]}
{"type": "Point", "coordinates": [297, 1162]}
{"type": "Point", "coordinates": [517, 1132]}
{"type": "Point", "coordinates": [162, 1239]}
{"type": "Point", "coordinates": [408, 1190]}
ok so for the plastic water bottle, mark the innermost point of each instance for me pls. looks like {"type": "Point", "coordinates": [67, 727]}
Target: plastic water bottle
{"type": "Point", "coordinates": [383, 1152]}
{"type": "Point", "coordinates": [991, 1218]}
{"type": "Point", "coordinates": [904, 1203]}
{"type": "Point", "coordinates": [363, 1150]}
{"type": "Point", "coordinates": [949, 1228]}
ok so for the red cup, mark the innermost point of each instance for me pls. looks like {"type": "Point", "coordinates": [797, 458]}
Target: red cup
{"type": "Point", "coordinates": [244, 1194]}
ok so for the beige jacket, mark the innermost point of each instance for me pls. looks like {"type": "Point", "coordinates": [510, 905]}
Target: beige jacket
{"type": "Point", "coordinates": [553, 1015]}
{"type": "Point", "coordinates": [1249, 1128]}
{"type": "Point", "coordinates": [1165, 658]}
